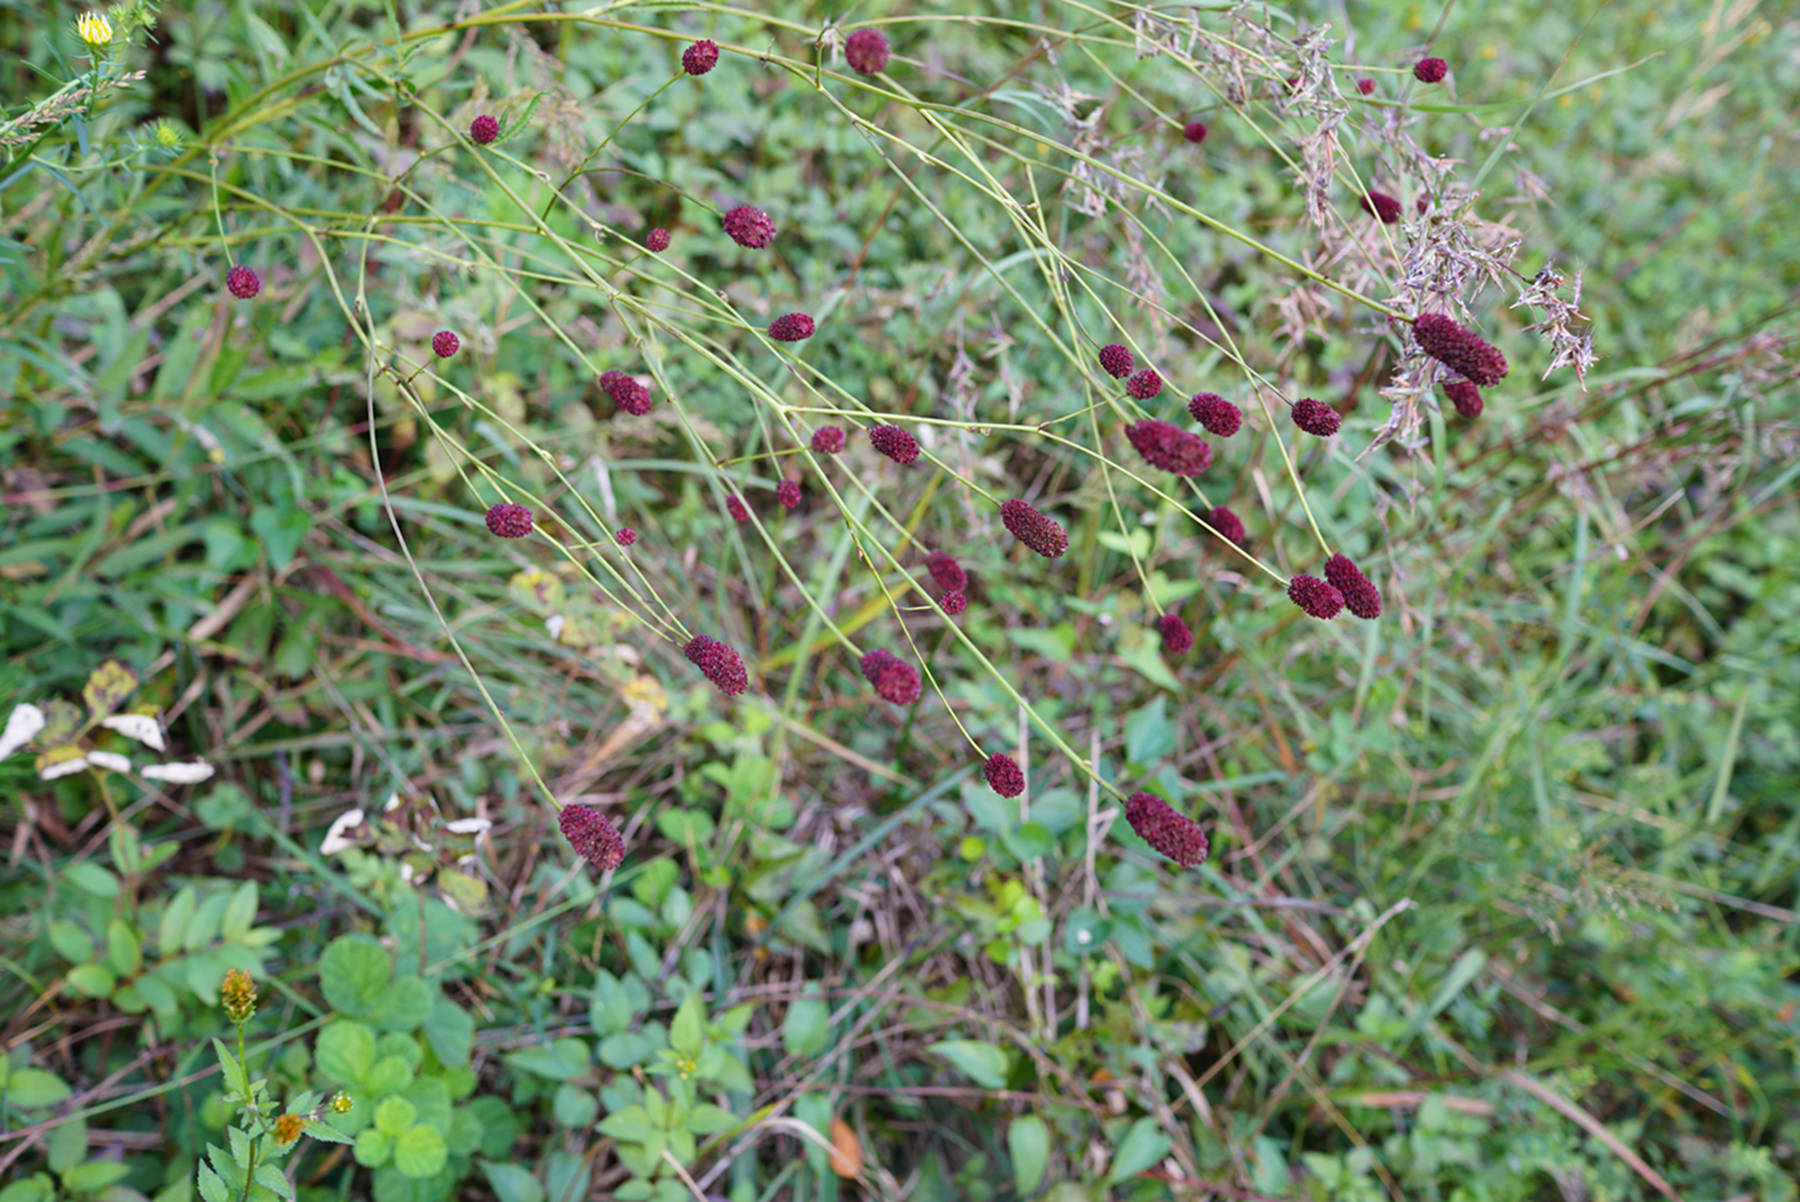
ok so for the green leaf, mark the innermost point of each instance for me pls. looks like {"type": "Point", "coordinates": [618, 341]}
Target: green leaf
{"type": "Point", "coordinates": [405, 1005]}
{"type": "Point", "coordinates": [804, 1030]}
{"type": "Point", "coordinates": [632, 1124]}
{"type": "Point", "coordinates": [211, 1188]}
{"type": "Point", "coordinates": [1468, 966]}
{"type": "Point", "coordinates": [574, 1108]}
{"type": "Point", "coordinates": [512, 1183]}
{"type": "Point", "coordinates": [389, 1074]}
{"type": "Point", "coordinates": [240, 913]}
{"type": "Point", "coordinates": [71, 942]}
{"type": "Point", "coordinates": [558, 1060]}
{"type": "Point", "coordinates": [354, 973]}
{"type": "Point", "coordinates": [420, 1151]}
{"type": "Point", "coordinates": [982, 1063]}
{"type": "Point", "coordinates": [394, 1115]}
{"type": "Point", "coordinates": [33, 1089]}
{"type": "Point", "coordinates": [373, 1147]}
{"type": "Point", "coordinates": [345, 1051]}
{"type": "Point", "coordinates": [707, 1119]}
{"type": "Point", "coordinates": [94, 1176]}
{"type": "Point", "coordinates": [122, 948]}
{"type": "Point", "coordinates": [1149, 735]}
{"type": "Point", "coordinates": [685, 1031]}
{"type": "Point", "coordinates": [282, 529]}
{"type": "Point", "coordinates": [174, 920]}
{"type": "Point", "coordinates": [92, 980]}
{"type": "Point", "coordinates": [450, 1031]}
{"type": "Point", "coordinates": [611, 1010]}
{"type": "Point", "coordinates": [1143, 1146]}
{"type": "Point", "coordinates": [107, 687]}
{"type": "Point", "coordinates": [1028, 1142]}
{"type": "Point", "coordinates": [36, 1188]}
{"type": "Point", "coordinates": [92, 879]}
{"type": "Point", "coordinates": [236, 1082]}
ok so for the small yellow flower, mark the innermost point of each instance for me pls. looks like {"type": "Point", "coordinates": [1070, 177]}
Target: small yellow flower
{"type": "Point", "coordinates": [238, 993]}
{"type": "Point", "coordinates": [341, 1103]}
{"type": "Point", "coordinates": [93, 29]}
{"type": "Point", "coordinates": [288, 1128]}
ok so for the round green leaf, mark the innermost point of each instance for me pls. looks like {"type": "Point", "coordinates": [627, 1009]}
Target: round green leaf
{"type": "Point", "coordinates": [354, 973]}
{"type": "Point", "coordinates": [345, 1051]}
{"type": "Point", "coordinates": [420, 1151]}
{"type": "Point", "coordinates": [372, 1148]}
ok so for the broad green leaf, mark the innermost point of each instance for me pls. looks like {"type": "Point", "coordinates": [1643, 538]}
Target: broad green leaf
{"type": "Point", "coordinates": [240, 913]}
{"type": "Point", "coordinates": [981, 1062]}
{"type": "Point", "coordinates": [404, 1006]}
{"type": "Point", "coordinates": [345, 1051]}
{"type": "Point", "coordinates": [92, 980]}
{"type": "Point", "coordinates": [174, 920]}
{"type": "Point", "coordinates": [450, 1031]}
{"type": "Point", "coordinates": [419, 1151]}
{"type": "Point", "coordinates": [236, 1082]}
{"type": "Point", "coordinates": [71, 942]}
{"type": "Point", "coordinates": [512, 1183]}
{"type": "Point", "coordinates": [373, 1147]}
{"type": "Point", "coordinates": [574, 1108]}
{"type": "Point", "coordinates": [1028, 1142]}
{"type": "Point", "coordinates": [631, 1124]}
{"type": "Point", "coordinates": [1144, 1144]}
{"type": "Point", "coordinates": [354, 973]}
{"type": "Point", "coordinates": [122, 948]}
{"type": "Point", "coordinates": [685, 1030]}
{"type": "Point", "coordinates": [211, 1188]}
{"type": "Point", "coordinates": [394, 1115]}
{"type": "Point", "coordinates": [806, 1027]}
{"type": "Point", "coordinates": [559, 1060]}
{"type": "Point", "coordinates": [92, 879]}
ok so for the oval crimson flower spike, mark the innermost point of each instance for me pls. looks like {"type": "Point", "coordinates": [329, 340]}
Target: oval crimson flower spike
{"type": "Point", "coordinates": [828, 440]}
{"type": "Point", "coordinates": [787, 493]}
{"type": "Point", "coordinates": [701, 57]}
{"type": "Point", "coordinates": [657, 240]}
{"type": "Point", "coordinates": [1169, 447]}
{"type": "Point", "coordinates": [895, 443]}
{"type": "Point", "coordinates": [1032, 528]}
{"type": "Point", "coordinates": [718, 663]}
{"type": "Point", "coordinates": [594, 838]}
{"type": "Point", "coordinates": [947, 572]}
{"type": "Point", "coordinates": [1361, 597]}
{"type": "Point", "coordinates": [242, 282]}
{"type": "Point", "coordinates": [1316, 417]}
{"type": "Point", "coordinates": [1460, 349]}
{"type": "Point", "coordinates": [867, 51]}
{"type": "Point", "coordinates": [1382, 206]}
{"type": "Point", "coordinates": [444, 344]}
{"type": "Point", "coordinates": [1176, 637]}
{"type": "Point", "coordinates": [1318, 598]}
{"type": "Point", "coordinates": [508, 520]}
{"type": "Point", "coordinates": [954, 603]}
{"type": "Point", "coordinates": [1004, 776]}
{"type": "Point", "coordinates": [1466, 397]}
{"type": "Point", "coordinates": [1218, 415]}
{"type": "Point", "coordinates": [483, 129]}
{"type": "Point", "coordinates": [1171, 834]}
{"type": "Point", "coordinates": [1430, 70]}
{"type": "Point", "coordinates": [748, 226]}
{"type": "Point", "coordinates": [625, 537]}
{"type": "Point", "coordinates": [1194, 131]}
{"type": "Point", "coordinates": [1144, 384]}
{"type": "Point", "coordinates": [791, 327]}
{"type": "Point", "coordinates": [1115, 361]}
{"type": "Point", "coordinates": [1228, 524]}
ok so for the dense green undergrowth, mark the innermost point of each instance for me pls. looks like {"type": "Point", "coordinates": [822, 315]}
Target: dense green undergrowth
{"type": "Point", "coordinates": [1502, 896]}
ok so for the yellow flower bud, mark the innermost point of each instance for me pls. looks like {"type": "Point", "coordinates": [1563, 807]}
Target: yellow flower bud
{"type": "Point", "coordinates": [238, 993]}
{"type": "Point", "coordinates": [341, 1103]}
{"type": "Point", "coordinates": [93, 29]}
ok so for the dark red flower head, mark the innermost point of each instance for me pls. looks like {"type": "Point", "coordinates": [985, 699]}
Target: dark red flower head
{"type": "Point", "coordinates": [1228, 524]}
{"type": "Point", "coordinates": [1360, 596]}
{"type": "Point", "coordinates": [788, 493]}
{"type": "Point", "coordinates": [867, 51]}
{"type": "Point", "coordinates": [1430, 70]}
{"type": "Point", "coordinates": [1466, 397]}
{"type": "Point", "coordinates": [1381, 205]}
{"type": "Point", "coordinates": [1004, 776]}
{"type": "Point", "coordinates": [1317, 598]}
{"type": "Point", "coordinates": [1169, 447]}
{"type": "Point", "coordinates": [954, 602]}
{"type": "Point", "coordinates": [509, 521]}
{"type": "Point", "coordinates": [1144, 384]}
{"type": "Point", "coordinates": [894, 679]}
{"type": "Point", "coordinates": [1174, 835]}
{"type": "Point", "coordinates": [701, 57]}
{"type": "Point", "coordinates": [749, 227]}
{"type": "Point", "coordinates": [1366, 86]}
{"type": "Point", "coordinates": [1176, 636]}
{"type": "Point", "coordinates": [626, 392]}
{"type": "Point", "coordinates": [791, 327]}
{"type": "Point", "coordinates": [718, 663]}
{"type": "Point", "coordinates": [657, 240]}
{"type": "Point", "coordinates": [947, 572]}
{"type": "Point", "coordinates": [1032, 528]}
{"type": "Point", "coordinates": [1217, 414]}
{"type": "Point", "coordinates": [1115, 361]}
{"type": "Point", "coordinates": [445, 344]}
{"type": "Point", "coordinates": [483, 129]}
{"type": "Point", "coordinates": [895, 443]}
{"type": "Point", "coordinates": [734, 505]}
{"type": "Point", "coordinates": [1460, 349]}
{"type": "Point", "coordinates": [828, 440]}
{"type": "Point", "coordinates": [592, 836]}
{"type": "Point", "coordinates": [1194, 131]}
{"type": "Point", "coordinates": [625, 536]}
{"type": "Point", "coordinates": [243, 282]}
{"type": "Point", "coordinates": [1316, 417]}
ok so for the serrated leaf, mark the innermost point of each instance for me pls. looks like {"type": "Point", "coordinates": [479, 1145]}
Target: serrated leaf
{"type": "Point", "coordinates": [354, 973]}
{"type": "Point", "coordinates": [420, 1151]}
{"type": "Point", "coordinates": [34, 1088]}
{"type": "Point", "coordinates": [345, 1051]}
{"type": "Point", "coordinates": [804, 1030]}
{"type": "Point", "coordinates": [235, 1080]}
{"type": "Point", "coordinates": [685, 1030]}
{"type": "Point", "coordinates": [512, 1183]}
{"type": "Point", "coordinates": [211, 1188]}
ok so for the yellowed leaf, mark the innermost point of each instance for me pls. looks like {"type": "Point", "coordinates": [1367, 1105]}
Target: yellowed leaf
{"type": "Point", "coordinates": [846, 1150]}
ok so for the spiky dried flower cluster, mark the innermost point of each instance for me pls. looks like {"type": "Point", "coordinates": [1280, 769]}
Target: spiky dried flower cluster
{"type": "Point", "coordinates": [626, 392]}
{"type": "Point", "coordinates": [1228, 524]}
{"type": "Point", "coordinates": [734, 505]}
{"type": "Point", "coordinates": [1115, 361]}
{"type": "Point", "coordinates": [1381, 206]}
{"type": "Point", "coordinates": [1144, 384]}
{"type": "Point", "coordinates": [1319, 599]}
{"type": "Point", "coordinates": [787, 493]}
{"type": "Point", "coordinates": [237, 994]}
{"type": "Point", "coordinates": [1171, 834]}
{"type": "Point", "coordinates": [1194, 131]}
{"type": "Point", "coordinates": [1430, 70]}
{"type": "Point", "coordinates": [483, 129]}
{"type": "Point", "coordinates": [1032, 528]}
{"type": "Point", "coordinates": [1316, 417]}
{"type": "Point", "coordinates": [828, 440]}
{"type": "Point", "coordinates": [947, 572]}
{"type": "Point", "coordinates": [791, 327]}
{"type": "Point", "coordinates": [594, 838]}
{"type": "Point", "coordinates": [1361, 597]}
{"type": "Point", "coordinates": [718, 663]}
{"type": "Point", "coordinates": [1568, 347]}
{"type": "Point", "coordinates": [1460, 349]}
{"type": "Point", "coordinates": [657, 240]}
{"type": "Point", "coordinates": [954, 602]}
{"type": "Point", "coordinates": [867, 51]}
{"type": "Point", "coordinates": [243, 282]}
{"type": "Point", "coordinates": [749, 227]}
{"type": "Point", "coordinates": [1177, 639]}
{"type": "Point", "coordinates": [894, 679]}
{"type": "Point", "coordinates": [700, 57]}
{"type": "Point", "coordinates": [895, 443]}
{"type": "Point", "coordinates": [444, 344]}
{"type": "Point", "coordinates": [1217, 414]}
{"type": "Point", "coordinates": [1466, 397]}
{"type": "Point", "coordinates": [508, 520]}
{"type": "Point", "coordinates": [1169, 447]}
{"type": "Point", "coordinates": [625, 536]}
{"type": "Point", "coordinates": [1004, 776]}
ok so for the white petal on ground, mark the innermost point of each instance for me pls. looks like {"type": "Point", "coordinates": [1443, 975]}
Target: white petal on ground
{"type": "Point", "coordinates": [110, 760]}
{"type": "Point", "coordinates": [179, 773]}
{"type": "Point", "coordinates": [142, 727]}
{"type": "Point", "coordinates": [468, 826]}
{"type": "Point", "coordinates": [335, 839]}
{"type": "Point", "coordinates": [21, 728]}
{"type": "Point", "coordinates": [63, 768]}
